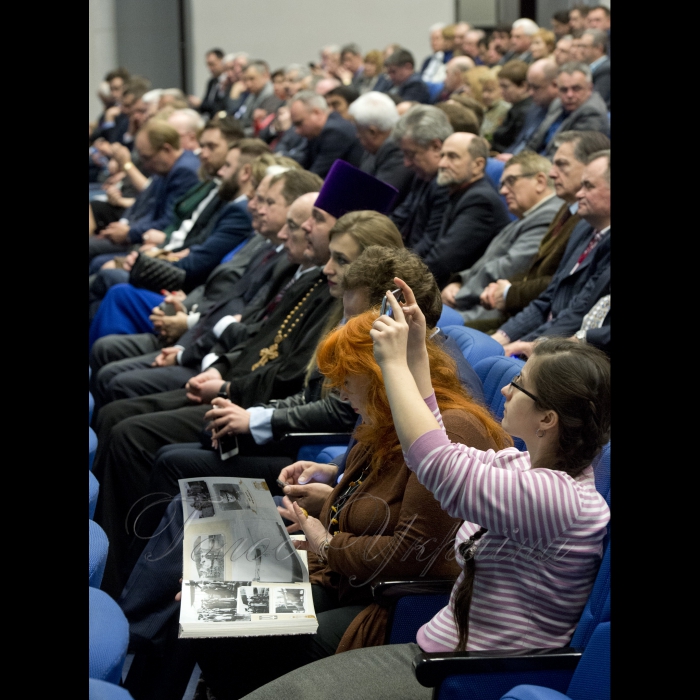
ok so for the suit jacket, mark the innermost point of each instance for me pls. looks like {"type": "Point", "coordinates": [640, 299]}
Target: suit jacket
{"type": "Point", "coordinates": [474, 215]}
{"type": "Point", "coordinates": [504, 136]}
{"type": "Point", "coordinates": [600, 337]}
{"type": "Point", "coordinates": [214, 98]}
{"type": "Point", "coordinates": [338, 139]}
{"type": "Point", "coordinates": [419, 216]}
{"type": "Point", "coordinates": [230, 227]}
{"type": "Point", "coordinates": [201, 339]}
{"type": "Point", "coordinates": [528, 285]}
{"type": "Point", "coordinates": [167, 191]}
{"type": "Point", "coordinates": [601, 80]}
{"type": "Point", "coordinates": [387, 165]}
{"type": "Point", "coordinates": [283, 375]}
{"type": "Point", "coordinates": [292, 145]}
{"type": "Point", "coordinates": [413, 90]}
{"type": "Point", "coordinates": [552, 313]}
{"type": "Point", "coordinates": [592, 115]}
{"type": "Point", "coordinates": [533, 118]}
{"type": "Point", "coordinates": [185, 206]}
{"type": "Point", "coordinates": [510, 252]}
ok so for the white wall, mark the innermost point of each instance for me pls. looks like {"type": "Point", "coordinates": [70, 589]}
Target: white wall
{"type": "Point", "coordinates": [293, 31]}
{"type": "Point", "coordinates": [102, 34]}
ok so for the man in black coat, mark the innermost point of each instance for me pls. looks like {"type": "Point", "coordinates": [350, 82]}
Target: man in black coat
{"type": "Point", "coordinates": [407, 84]}
{"type": "Point", "coordinates": [375, 115]}
{"type": "Point", "coordinates": [330, 137]}
{"type": "Point", "coordinates": [474, 214]}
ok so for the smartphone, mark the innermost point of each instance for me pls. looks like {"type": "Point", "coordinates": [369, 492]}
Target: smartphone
{"type": "Point", "coordinates": [168, 308]}
{"type": "Point", "coordinates": [386, 308]}
{"type": "Point", "coordinates": [228, 446]}
{"type": "Point", "coordinates": [281, 484]}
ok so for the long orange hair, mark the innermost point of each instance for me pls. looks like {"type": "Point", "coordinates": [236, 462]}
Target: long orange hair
{"type": "Point", "coordinates": [348, 350]}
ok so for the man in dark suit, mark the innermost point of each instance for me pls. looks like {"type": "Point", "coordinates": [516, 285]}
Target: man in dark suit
{"type": "Point", "coordinates": [578, 108]}
{"type": "Point", "coordinates": [375, 115]}
{"type": "Point", "coordinates": [420, 134]}
{"type": "Point", "coordinates": [474, 213]}
{"type": "Point", "coordinates": [211, 103]}
{"type": "Point", "coordinates": [594, 44]}
{"type": "Point", "coordinates": [407, 84]}
{"type": "Point", "coordinates": [560, 308]}
{"type": "Point", "coordinates": [330, 137]}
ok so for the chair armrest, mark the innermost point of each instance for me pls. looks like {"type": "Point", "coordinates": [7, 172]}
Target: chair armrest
{"type": "Point", "coordinates": [386, 593]}
{"type": "Point", "coordinates": [432, 669]}
{"type": "Point", "coordinates": [319, 438]}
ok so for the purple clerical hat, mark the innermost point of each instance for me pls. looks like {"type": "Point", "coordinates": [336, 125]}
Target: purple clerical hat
{"type": "Point", "coordinates": [346, 188]}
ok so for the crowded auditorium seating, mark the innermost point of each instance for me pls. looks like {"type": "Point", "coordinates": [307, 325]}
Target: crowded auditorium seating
{"type": "Point", "coordinates": [232, 231]}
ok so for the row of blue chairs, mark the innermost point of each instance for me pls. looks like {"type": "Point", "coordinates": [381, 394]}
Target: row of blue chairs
{"type": "Point", "coordinates": [108, 627]}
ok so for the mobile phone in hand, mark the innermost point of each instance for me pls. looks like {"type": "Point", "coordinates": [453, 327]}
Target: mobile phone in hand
{"type": "Point", "coordinates": [281, 484]}
{"type": "Point", "coordinates": [228, 446]}
{"type": "Point", "coordinates": [386, 308]}
{"type": "Point", "coordinates": [168, 308]}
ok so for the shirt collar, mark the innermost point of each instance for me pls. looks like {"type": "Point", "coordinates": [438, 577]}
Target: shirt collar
{"type": "Point", "coordinates": [242, 198]}
{"type": "Point", "coordinates": [538, 205]}
{"type": "Point", "coordinates": [597, 62]}
{"type": "Point", "coordinates": [573, 208]}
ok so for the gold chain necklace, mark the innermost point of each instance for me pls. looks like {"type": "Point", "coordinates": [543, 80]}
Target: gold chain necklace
{"type": "Point", "coordinates": [272, 352]}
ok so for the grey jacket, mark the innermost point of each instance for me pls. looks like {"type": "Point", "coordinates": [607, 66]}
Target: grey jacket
{"type": "Point", "coordinates": [509, 253]}
{"type": "Point", "coordinates": [592, 115]}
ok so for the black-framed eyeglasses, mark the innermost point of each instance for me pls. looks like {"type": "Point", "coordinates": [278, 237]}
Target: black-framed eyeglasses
{"type": "Point", "coordinates": [509, 181]}
{"type": "Point", "coordinates": [525, 391]}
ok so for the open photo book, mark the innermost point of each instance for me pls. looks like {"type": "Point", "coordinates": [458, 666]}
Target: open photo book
{"type": "Point", "coordinates": [242, 575]}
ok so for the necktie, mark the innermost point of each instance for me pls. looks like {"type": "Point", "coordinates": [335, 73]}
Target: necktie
{"type": "Point", "coordinates": [560, 224]}
{"type": "Point", "coordinates": [591, 244]}
{"type": "Point", "coordinates": [278, 298]}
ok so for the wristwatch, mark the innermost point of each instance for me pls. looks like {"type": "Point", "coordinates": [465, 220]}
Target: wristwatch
{"type": "Point", "coordinates": [581, 336]}
{"type": "Point", "coordinates": [127, 166]}
{"type": "Point", "coordinates": [223, 393]}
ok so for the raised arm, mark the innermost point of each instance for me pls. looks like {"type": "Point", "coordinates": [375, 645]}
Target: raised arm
{"type": "Point", "coordinates": [400, 351]}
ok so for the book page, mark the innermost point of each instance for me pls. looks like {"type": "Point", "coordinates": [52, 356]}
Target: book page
{"type": "Point", "coordinates": [233, 532]}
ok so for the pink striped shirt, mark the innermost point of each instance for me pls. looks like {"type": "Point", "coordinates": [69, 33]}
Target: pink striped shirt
{"type": "Point", "coordinates": [536, 565]}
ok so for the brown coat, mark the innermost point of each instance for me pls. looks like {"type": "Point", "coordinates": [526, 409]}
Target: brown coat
{"type": "Point", "coordinates": [405, 534]}
{"type": "Point", "coordinates": [530, 284]}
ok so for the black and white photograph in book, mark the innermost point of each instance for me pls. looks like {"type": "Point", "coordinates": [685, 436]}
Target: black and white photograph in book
{"type": "Point", "coordinates": [289, 600]}
{"type": "Point", "coordinates": [198, 501]}
{"type": "Point", "coordinates": [218, 601]}
{"type": "Point", "coordinates": [254, 599]}
{"type": "Point", "coordinates": [208, 555]}
{"type": "Point", "coordinates": [262, 551]}
{"type": "Point", "coordinates": [230, 497]}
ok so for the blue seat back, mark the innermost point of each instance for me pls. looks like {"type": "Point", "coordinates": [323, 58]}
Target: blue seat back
{"type": "Point", "coordinates": [92, 448]}
{"type": "Point", "coordinates": [97, 553]}
{"type": "Point", "coordinates": [493, 171]}
{"type": "Point", "coordinates": [495, 373]}
{"type": "Point", "coordinates": [101, 690]}
{"type": "Point", "coordinates": [591, 680]}
{"type": "Point", "coordinates": [91, 406]}
{"type": "Point", "coordinates": [93, 491]}
{"type": "Point", "coordinates": [434, 89]}
{"type": "Point", "coordinates": [475, 345]}
{"type": "Point", "coordinates": [323, 454]}
{"type": "Point", "coordinates": [109, 637]}
{"type": "Point", "coordinates": [411, 613]}
{"type": "Point", "coordinates": [450, 317]}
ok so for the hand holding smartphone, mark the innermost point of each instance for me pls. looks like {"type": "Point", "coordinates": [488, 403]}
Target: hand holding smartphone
{"type": "Point", "coordinates": [386, 308]}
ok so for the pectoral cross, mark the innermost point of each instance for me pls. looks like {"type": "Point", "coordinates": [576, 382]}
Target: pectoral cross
{"type": "Point", "coordinates": [266, 354]}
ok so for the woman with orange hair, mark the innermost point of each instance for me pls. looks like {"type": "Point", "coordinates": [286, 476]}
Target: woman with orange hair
{"type": "Point", "coordinates": [378, 523]}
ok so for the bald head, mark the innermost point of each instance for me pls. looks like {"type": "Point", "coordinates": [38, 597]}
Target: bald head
{"type": "Point", "coordinates": [462, 159]}
{"type": "Point", "coordinates": [542, 81]}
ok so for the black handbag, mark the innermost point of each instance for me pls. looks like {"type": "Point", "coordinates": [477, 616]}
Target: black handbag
{"type": "Point", "coordinates": [154, 274]}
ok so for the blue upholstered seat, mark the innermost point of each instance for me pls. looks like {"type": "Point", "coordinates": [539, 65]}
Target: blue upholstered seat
{"type": "Point", "coordinates": [93, 491]}
{"type": "Point", "coordinates": [109, 637]}
{"type": "Point", "coordinates": [97, 553]}
{"type": "Point", "coordinates": [93, 447]}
